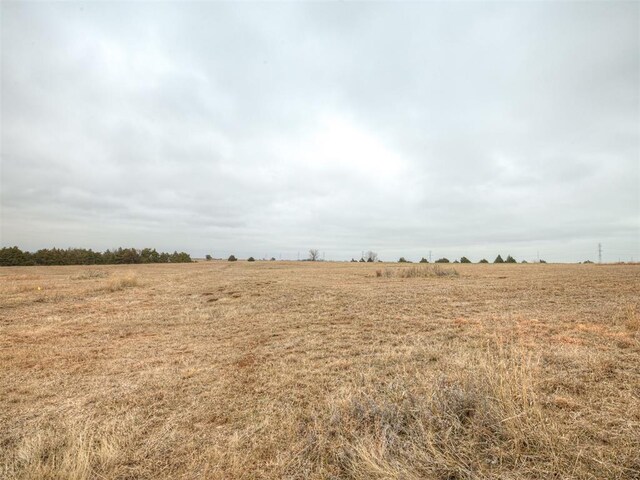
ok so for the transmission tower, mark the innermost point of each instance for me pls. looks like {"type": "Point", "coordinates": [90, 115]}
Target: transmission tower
{"type": "Point", "coordinates": [599, 253]}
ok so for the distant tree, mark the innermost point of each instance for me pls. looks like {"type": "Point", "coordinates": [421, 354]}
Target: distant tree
{"type": "Point", "coordinates": [232, 258]}
{"type": "Point", "coordinates": [208, 257]}
{"type": "Point", "coordinates": [13, 256]}
{"type": "Point", "coordinates": [371, 256]}
{"type": "Point", "coordinates": [353, 260]}
{"type": "Point", "coordinates": [251, 259]}
{"type": "Point", "coordinates": [465, 260]}
{"type": "Point", "coordinates": [484, 260]}
{"type": "Point", "coordinates": [524, 261]}
{"type": "Point", "coordinates": [587, 261]}
{"type": "Point", "coordinates": [456, 261]}
{"type": "Point", "coordinates": [314, 254]}
{"type": "Point", "coordinates": [362, 260]}
{"type": "Point", "coordinates": [273, 259]}
{"type": "Point", "coordinates": [510, 259]}
{"type": "Point", "coordinates": [442, 260]}
{"type": "Point", "coordinates": [424, 260]}
{"type": "Point", "coordinates": [498, 259]}
{"type": "Point", "coordinates": [542, 261]}
{"type": "Point", "coordinates": [402, 260]}
{"type": "Point", "coordinates": [181, 257]}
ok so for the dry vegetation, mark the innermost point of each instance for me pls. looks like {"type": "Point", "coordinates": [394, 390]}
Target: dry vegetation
{"type": "Point", "coordinates": [302, 370]}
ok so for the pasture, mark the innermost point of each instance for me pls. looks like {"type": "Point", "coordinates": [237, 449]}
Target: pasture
{"type": "Point", "coordinates": [270, 370]}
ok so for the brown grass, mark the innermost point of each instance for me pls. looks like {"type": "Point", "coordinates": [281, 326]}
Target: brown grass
{"type": "Point", "coordinates": [120, 283]}
{"type": "Point", "coordinates": [300, 370]}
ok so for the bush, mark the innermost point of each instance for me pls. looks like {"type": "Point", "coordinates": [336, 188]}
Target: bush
{"type": "Point", "coordinates": [442, 260]}
{"type": "Point", "coordinates": [251, 259]}
{"type": "Point", "coordinates": [424, 260]}
{"type": "Point", "coordinates": [484, 260]}
{"type": "Point", "coordinates": [498, 259]}
{"type": "Point", "coordinates": [208, 257]}
{"type": "Point", "coordinates": [465, 260]}
{"type": "Point", "coordinates": [510, 259]}
{"type": "Point", "coordinates": [273, 259]}
{"type": "Point", "coordinates": [402, 260]}
{"type": "Point", "coordinates": [232, 258]}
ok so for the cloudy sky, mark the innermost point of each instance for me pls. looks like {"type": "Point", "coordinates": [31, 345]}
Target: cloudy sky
{"type": "Point", "coordinates": [267, 129]}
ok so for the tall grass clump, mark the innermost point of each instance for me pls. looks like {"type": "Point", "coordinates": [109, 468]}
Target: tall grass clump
{"type": "Point", "coordinates": [478, 422]}
{"type": "Point", "coordinates": [418, 271]}
{"type": "Point", "coordinates": [120, 283]}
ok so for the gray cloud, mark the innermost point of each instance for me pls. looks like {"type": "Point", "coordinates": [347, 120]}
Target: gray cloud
{"type": "Point", "coordinates": [462, 128]}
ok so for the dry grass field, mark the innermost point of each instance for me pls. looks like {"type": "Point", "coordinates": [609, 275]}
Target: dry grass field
{"type": "Point", "coordinates": [320, 370]}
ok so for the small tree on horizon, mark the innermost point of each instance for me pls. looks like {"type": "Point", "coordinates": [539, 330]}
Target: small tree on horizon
{"type": "Point", "coordinates": [465, 260]}
{"type": "Point", "coordinates": [232, 258]}
{"type": "Point", "coordinates": [251, 259]}
{"type": "Point", "coordinates": [402, 260]}
{"type": "Point", "coordinates": [208, 257]}
{"type": "Point", "coordinates": [484, 260]}
{"type": "Point", "coordinates": [371, 256]}
{"type": "Point", "coordinates": [314, 254]}
{"type": "Point", "coordinates": [510, 259]}
{"type": "Point", "coordinates": [498, 259]}
{"type": "Point", "coordinates": [442, 260]}
{"type": "Point", "coordinates": [424, 260]}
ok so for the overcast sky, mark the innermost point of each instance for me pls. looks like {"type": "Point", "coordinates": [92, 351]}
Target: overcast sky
{"type": "Point", "coordinates": [271, 128]}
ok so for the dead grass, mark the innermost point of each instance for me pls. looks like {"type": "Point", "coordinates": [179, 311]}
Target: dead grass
{"type": "Point", "coordinates": [120, 283]}
{"type": "Point", "coordinates": [417, 272]}
{"type": "Point", "coordinates": [298, 370]}
{"type": "Point", "coordinates": [90, 274]}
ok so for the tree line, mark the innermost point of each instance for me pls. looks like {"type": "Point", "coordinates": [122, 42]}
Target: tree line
{"type": "Point", "coordinates": [13, 256]}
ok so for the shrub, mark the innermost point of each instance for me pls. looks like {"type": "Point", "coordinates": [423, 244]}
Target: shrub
{"type": "Point", "coordinates": [498, 259]}
{"type": "Point", "coordinates": [251, 259]}
{"type": "Point", "coordinates": [232, 258]}
{"type": "Point", "coordinates": [442, 260]}
{"type": "Point", "coordinates": [484, 260]}
{"type": "Point", "coordinates": [424, 260]}
{"type": "Point", "coordinates": [362, 260]}
{"type": "Point", "coordinates": [510, 259]}
{"type": "Point", "coordinates": [465, 260]}
{"type": "Point", "coordinates": [208, 257]}
{"type": "Point", "coordinates": [273, 259]}
{"type": "Point", "coordinates": [402, 260]}
{"type": "Point", "coordinates": [353, 260]}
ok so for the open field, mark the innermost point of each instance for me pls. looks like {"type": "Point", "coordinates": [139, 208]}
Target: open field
{"type": "Point", "coordinates": [320, 370]}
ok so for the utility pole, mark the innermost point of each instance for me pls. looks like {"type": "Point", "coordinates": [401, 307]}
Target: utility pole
{"type": "Point", "coordinates": [599, 253]}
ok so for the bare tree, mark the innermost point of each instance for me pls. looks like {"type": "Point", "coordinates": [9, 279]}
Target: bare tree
{"type": "Point", "coordinates": [314, 254]}
{"type": "Point", "coordinates": [371, 256]}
